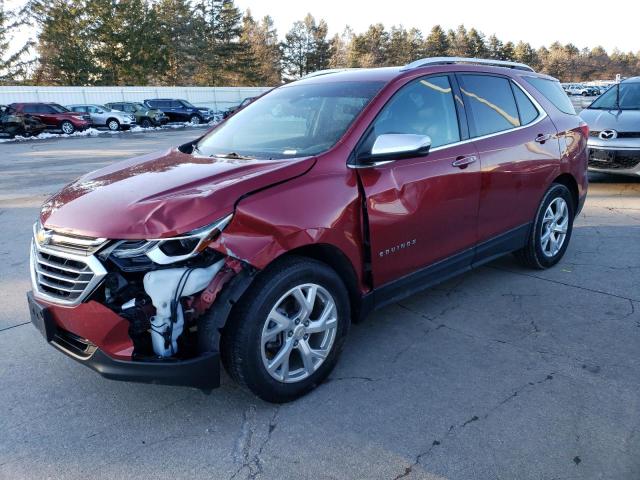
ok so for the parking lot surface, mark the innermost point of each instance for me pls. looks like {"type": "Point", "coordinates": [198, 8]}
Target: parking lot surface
{"type": "Point", "coordinates": [502, 373]}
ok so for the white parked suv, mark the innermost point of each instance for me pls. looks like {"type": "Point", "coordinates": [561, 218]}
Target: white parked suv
{"type": "Point", "coordinates": [577, 89]}
{"type": "Point", "coordinates": [102, 116]}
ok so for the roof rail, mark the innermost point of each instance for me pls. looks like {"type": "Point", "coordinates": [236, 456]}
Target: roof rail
{"type": "Point", "coordinates": [325, 72]}
{"type": "Point", "coordinates": [424, 62]}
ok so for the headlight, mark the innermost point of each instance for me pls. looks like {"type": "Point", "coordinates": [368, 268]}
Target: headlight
{"type": "Point", "coordinates": [175, 249]}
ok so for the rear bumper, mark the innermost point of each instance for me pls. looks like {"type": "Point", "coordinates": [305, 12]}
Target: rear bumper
{"type": "Point", "coordinates": [200, 372]}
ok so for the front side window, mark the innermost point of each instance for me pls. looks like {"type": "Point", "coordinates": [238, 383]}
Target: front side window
{"type": "Point", "coordinates": [176, 104]}
{"type": "Point", "coordinates": [423, 107]}
{"type": "Point", "coordinates": [490, 102]}
{"type": "Point", "coordinates": [298, 120]}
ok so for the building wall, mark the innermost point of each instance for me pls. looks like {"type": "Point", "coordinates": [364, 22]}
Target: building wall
{"type": "Point", "coordinates": [217, 98]}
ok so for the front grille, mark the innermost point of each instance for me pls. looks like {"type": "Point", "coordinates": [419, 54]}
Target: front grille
{"type": "Point", "coordinates": [613, 159]}
{"type": "Point", "coordinates": [596, 133]}
{"type": "Point", "coordinates": [63, 267]}
{"type": "Point", "coordinates": [62, 277]}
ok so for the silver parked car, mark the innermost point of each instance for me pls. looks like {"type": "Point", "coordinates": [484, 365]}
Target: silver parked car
{"type": "Point", "coordinates": [102, 116]}
{"type": "Point", "coordinates": [614, 129]}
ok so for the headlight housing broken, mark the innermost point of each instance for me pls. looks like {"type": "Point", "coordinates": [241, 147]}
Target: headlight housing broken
{"type": "Point", "coordinates": [171, 250]}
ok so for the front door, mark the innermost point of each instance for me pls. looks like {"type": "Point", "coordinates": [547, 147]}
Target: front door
{"type": "Point", "coordinates": [422, 210]}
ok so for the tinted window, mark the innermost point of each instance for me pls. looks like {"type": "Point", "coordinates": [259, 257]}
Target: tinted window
{"type": "Point", "coordinates": [297, 120]}
{"type": "Point", "coordinates": [526, 108]}
{"type": "Point", "coordinates": [153, 103]}
{"type": "Point", "coordinates": [553, 92]}
{"type": "Point", "coordinates": [491, 103]}
{"type": "Point", "coordinates": [30, 109]}
{"type": "Point", "coordinates": [423, 107]}
{"type": "Point", "coordinates": [176, 104]}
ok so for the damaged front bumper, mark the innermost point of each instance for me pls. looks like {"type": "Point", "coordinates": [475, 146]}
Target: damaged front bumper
{"type": "Point", "coordinates": [202, 371]}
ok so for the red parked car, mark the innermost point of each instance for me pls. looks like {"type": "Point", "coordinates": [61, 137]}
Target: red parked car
{"type": "Point", "coordinates": [55, 117]}
{"type": "Point", "coordinates": [258, 243]}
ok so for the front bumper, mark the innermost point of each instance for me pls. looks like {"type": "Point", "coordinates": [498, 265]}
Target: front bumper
{"type": "Point", "coordinates": [622, 161]}
{"type": "Point", "coordinates": [201, 372]}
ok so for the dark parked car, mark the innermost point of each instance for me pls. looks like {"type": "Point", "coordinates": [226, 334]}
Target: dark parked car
{"type": "Point", "coordinates": [14, 123]}
{"type": "Point", "coordinates": [145, 117]}
{"type": "Point", "coordinates": [240, 106]}
{"type": "Point", "coordinates": [181, 110]}
{"type": "Point", "coordinates": [614, 120]}
{"type": "Point", "coordinates": [54, 116]}
{"type": "Point", "coordinates": [258, 243]}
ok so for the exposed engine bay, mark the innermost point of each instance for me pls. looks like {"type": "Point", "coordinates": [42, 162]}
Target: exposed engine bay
{"type": "Point", "coordinates": [164, 288]}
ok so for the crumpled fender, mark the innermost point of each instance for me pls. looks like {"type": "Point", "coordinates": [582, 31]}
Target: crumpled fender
{"type": "Point", "coordinates": [321, 207]}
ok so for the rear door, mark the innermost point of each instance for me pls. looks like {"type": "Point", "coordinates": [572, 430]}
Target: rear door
{"type": "Point", "coordinates": [518, 149]}
{"type": "Point", "coordinates": [422, 210]}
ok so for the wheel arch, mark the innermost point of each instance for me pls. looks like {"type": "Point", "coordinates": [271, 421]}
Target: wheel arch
{"type": "Point", "coordinates": [570, 182]}
{"type": "Point", "coordinates": [334, 258]}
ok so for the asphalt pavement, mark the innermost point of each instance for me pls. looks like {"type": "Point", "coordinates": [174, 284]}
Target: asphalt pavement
{"type": "Point", "coordinates": [502, 373]}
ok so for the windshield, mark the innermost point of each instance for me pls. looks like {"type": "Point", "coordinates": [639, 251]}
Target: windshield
{"type": "Point", "coordinates": [139, 106]}
{"type": "Point", "coordinates": [187, 104]}
{"type": "Point", "coordinates": [292, 121]}
{"type": "Point", "coordinates": [628, 98]}
{"type": "Point", "coordinates": [58, 108]}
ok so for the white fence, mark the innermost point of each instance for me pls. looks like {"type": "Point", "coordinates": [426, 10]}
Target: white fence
{"type": "Point", "coordinates": [217, 98]}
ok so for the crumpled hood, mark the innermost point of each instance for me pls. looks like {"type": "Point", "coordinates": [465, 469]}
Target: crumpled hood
{"type": "Point", "coordinates": [619, 120]}
{"type": "Point", "coordinates": [161, 194]}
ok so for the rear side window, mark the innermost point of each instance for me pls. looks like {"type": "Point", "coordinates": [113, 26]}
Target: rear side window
{"type": "Point", "coordinates": [30, 109]}
{"type": "Point", "coordinates": [527, 110]}
{"type": "Point", "coordinates": [423, 107]}
{"type": "Point", "coordinates": [491, 103]}
{"type": "Point", "coordinates": [553, 92]}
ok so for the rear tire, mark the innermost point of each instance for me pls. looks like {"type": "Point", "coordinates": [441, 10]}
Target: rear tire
{"type": "Point", "coordinates": [280, 360]}
{"type": "Point", "coordinates": [551, 230]}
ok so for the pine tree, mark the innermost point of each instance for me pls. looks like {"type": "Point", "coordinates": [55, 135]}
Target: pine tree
{"type": "Point", "coordinates": [177, 50]}
{"type": "Point", "coordinates": [404, 46]}
{"type": "Point", "coordinates": [437, 43]}
{"type": "Point", "coordinates": [12, 64]}
{"type": "Point", "coordinates": [306, 48]}
{"type": "Point", "coordinates": [494, 47]}
{"type": "Point", "coordinates": [476, 45]}
{"type": "Point", "coordinates": [262, 63]}
{"type": "Point", "coordinates": [64, 58]}
{"type": "Point", "coordinates": [340, 45]}
{"type": "Point", "coordinates": [370, 49]}
{"type": "Point", "coordinates": [524, 53]}
{"type": "Point", "coordinates": [458, 42]}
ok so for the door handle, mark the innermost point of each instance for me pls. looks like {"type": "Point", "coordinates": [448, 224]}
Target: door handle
{"type": "Point", "coordinates": [464, 161]}
{"type": "Point", "coordinates": [543, 137]}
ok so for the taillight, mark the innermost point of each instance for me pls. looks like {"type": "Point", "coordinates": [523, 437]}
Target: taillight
{"type": "Point", "coordinates": [584, 129]}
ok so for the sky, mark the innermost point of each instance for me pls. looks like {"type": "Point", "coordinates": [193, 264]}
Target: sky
{"type": "Point", "coordinates": [539, 22]}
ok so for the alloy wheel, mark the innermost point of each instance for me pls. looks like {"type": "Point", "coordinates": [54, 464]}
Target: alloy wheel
{"type": "Point", "coordinates": [299, 333]}
{"type": "Point", "coordinates": [554, 227]}
{"type": "Point", "coordinates": [68, 128]}
{"type": "Point", "coordinates": [113, 125]}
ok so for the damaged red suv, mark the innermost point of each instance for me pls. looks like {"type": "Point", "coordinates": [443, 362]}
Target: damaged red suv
{"type": "Point", "coordinates": [257, 245]}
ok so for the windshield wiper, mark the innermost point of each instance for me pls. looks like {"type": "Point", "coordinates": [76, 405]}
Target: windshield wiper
{"type": "Point", "coordinates": [233, 156]}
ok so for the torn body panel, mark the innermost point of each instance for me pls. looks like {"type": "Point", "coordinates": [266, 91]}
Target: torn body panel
{"type": "Point", "coordinates": [321, 208]}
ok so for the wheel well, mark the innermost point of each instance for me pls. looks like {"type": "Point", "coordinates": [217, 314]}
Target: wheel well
{"type": "Point", "coordinates": [338, 261]}
{"type": "Point", "coordinates": [112, 118]}
{"type": "Point", "coordinates": [568, 181]}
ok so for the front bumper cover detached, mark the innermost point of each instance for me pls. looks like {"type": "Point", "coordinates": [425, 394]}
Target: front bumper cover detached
{"type": "Point", "coordinates": [200, 372]}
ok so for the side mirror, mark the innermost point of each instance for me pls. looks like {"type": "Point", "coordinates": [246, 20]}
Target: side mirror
{"type": "Point", "coordinates": [100, 111]}
{"type": "Point", "coordinates": [394, 146]}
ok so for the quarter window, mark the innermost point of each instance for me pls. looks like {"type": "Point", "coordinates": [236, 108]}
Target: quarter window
{"type": "Point", "coordinates": [423, 107]}
{"type": "Point", "coordinates": [526, 108]}
{"type": "Point", "coordinates": [491, 104]}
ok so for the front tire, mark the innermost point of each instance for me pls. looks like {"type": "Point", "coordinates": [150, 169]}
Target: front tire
{"type": "Point", "coordinates": [195, 120]}
{"type": "Point", "coordinates": [113, 125]}
{"type": "Point", "coordinates": [67, 127]}
{"type": "Point", "coordinates": [551, 231]}
{"type": "Point", "coordinates": [146, 123]}
{"type": "Point", "coordinates": [286, 333]}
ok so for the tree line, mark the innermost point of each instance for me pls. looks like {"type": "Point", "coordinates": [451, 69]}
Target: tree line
{"type": "Point", "coordinates": [214, 43]}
